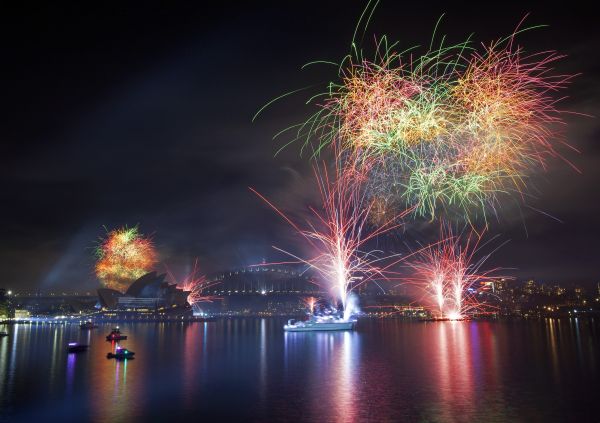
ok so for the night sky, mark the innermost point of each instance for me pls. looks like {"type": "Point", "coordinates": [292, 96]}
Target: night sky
{"type": "Point", "coordinates": [122, 115]}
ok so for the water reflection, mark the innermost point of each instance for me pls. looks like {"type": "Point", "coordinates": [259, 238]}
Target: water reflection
{"type": "Point", "coordinates": [454, 369]}
{"type": "Point", "coordinates": [330, 362]}
{"type": "Point", "coordinates": [345, 382]}
{"type": "Point", "coordinates": [70, 372]}
{"type": "Point", "coordinates": [3, 368]}
{"type": "Point", "coordinates": [109, 396]}
{"type": "Point", "coordinates": [552, 342]}
{"type": "Point", "coordinates": [250, 370]}
{"type": "Point", "coordinates": [262, 379]}
{"type": "Point", "coordinates": [441, 367]}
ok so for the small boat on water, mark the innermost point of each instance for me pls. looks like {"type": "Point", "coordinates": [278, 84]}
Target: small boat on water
{"type": "Point", "coordinates": [75, 347]}
{"type": "Point", "coordinates": [120, 353]}
{"type": "Point", "coordinates": [319, 323]}
{"type": "Point", "coordinates": [115, 335]}
{"type": "Point", "coordinates": [88, 325]}
{"type": "Point", "coordinates": [3, 334]}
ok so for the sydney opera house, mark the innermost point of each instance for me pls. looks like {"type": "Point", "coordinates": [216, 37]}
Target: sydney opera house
{"type": "Point", "coordinates": [151, 292]}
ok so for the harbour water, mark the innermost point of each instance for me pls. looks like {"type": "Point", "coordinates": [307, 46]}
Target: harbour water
{"type": "Point", "coordinates": [248, 369]}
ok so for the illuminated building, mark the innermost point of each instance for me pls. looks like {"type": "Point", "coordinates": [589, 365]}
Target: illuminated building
{"type": "Point", "coordinates": [21, 314]}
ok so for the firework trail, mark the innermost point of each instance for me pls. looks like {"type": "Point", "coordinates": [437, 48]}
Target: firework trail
{"type": "Point", "coordinates": [449, 276]}
{"type": "Point", "coordinates": [196, 284]}
{"type": "Point", "coordinates": [123, 256]}
{"type": "Point", "coordinates": [337, 235]}
{"type": "Point", "coordinates": [310, 303]}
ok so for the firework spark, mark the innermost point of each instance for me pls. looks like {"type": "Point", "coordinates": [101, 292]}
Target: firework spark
{"type": "Point", "coordinates": [310, 303]}
{"type": "Point", "coordinates": [197, 285]}
{"type": "Point", "coordinates": [123, 256]}
{"type": "Point", "coordinates": [337, 235]}
{"type": "Point", "coordinates": [449, 276]}
{"type": "Point", "coordinates": [450, 130]}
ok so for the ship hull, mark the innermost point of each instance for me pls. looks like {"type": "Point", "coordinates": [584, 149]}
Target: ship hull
{"type": "Point", "coordinates": [318, 327]}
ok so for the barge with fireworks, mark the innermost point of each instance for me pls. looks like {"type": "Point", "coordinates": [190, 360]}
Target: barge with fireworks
{"type": "Point", "coordinates": [319, 323]}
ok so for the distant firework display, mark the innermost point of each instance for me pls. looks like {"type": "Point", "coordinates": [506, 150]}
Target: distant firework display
{"type": "Point", "coordinates": [123, 256]}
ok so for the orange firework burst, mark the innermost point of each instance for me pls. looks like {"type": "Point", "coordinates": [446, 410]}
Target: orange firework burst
{"type": "Point", "coordinates": [505, 111]}
{"type": "Point", "coordinates": [123, 256]}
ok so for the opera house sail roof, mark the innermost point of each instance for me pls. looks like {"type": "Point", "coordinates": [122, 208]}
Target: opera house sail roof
{"type": "Point", "coordinates": [149, 291]}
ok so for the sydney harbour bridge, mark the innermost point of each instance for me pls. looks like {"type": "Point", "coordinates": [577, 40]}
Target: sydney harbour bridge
{"type": "Point", "coordinates": [263, 280]}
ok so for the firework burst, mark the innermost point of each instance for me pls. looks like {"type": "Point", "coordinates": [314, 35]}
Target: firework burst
{"type": "Point", "coordinates": [123, 256]}
{"type": "Point", "coordinates": [197, 285]}
{"type": "Point", "coordinates": [337, 235]}
{"type": "Point", "coordinates": [449, 130]}
{"type": "Point", "coordinates": [449, 276]}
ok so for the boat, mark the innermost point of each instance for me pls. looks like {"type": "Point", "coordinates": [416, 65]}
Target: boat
{"type": "Point", "coordinates": [88, 325]}
{"type": "Point", "coordinates": [319, 323]}
{"type": "Point", "coordinates": [75, 347]}
{"type": "Point", "coordinates": [3, 334]}
{"type": "Point", "coordinates": [120, 353]}
{"type": "Point", "coordinates": [115, 335]}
